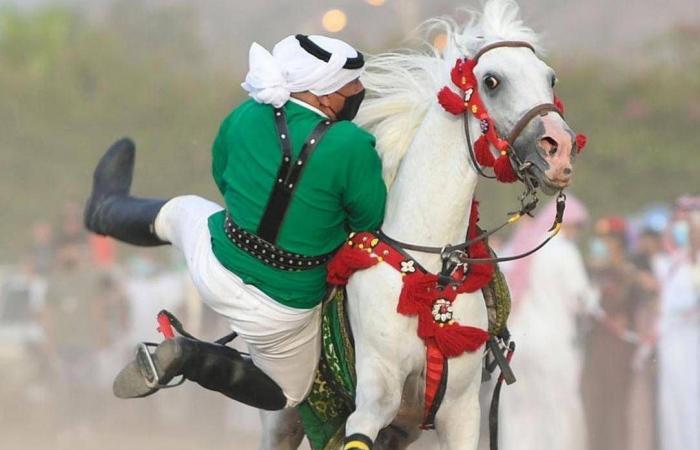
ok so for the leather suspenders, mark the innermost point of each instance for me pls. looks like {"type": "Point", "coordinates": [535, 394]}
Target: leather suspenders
{"type": "Point", "coordinates": [288, 175]}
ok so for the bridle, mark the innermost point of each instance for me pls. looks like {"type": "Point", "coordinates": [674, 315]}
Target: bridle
{"type": "Point", "coordinates": [508, 167]}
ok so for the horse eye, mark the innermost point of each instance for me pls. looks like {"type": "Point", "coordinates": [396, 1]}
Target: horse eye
{"type": "Point", "coordinates": [554, 80]}
{"type": "Point", "coordinates": [491, 82]}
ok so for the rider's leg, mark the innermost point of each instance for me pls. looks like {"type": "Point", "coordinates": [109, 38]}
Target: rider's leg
{"type": "Point", "coordinates": [111, 210]}
{"type": "Point", "coordinates": [284, 342]}
{"type": "Point", "coordinates": [378, 398]}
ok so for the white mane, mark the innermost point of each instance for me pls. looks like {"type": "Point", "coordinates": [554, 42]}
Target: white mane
{"type": "Point", "coordinates": [403, 85]}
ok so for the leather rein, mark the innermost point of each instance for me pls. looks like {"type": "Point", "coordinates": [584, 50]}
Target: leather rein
{"type": "Point", "coordinates": [453, 255]}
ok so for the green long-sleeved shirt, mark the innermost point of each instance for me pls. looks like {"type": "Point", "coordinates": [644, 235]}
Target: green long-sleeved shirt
{"type": "Point", "coordinates": [340, 190]}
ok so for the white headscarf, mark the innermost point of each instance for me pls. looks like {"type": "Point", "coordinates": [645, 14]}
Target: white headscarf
{"type": "Point", "coordinates": [289, 68]}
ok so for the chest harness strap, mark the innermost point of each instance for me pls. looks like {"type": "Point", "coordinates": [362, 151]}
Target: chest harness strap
{"type": "Point", "coordinates": [262, 244]}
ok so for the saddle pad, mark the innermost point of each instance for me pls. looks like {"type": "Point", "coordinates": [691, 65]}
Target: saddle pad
{"type": "Point", "coordinates": [331, 401]}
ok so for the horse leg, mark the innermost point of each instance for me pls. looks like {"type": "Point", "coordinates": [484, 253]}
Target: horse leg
{"type": "Point", "coordinates": [378, 398]}
{"type": "Point", "coordinates": [458, 420]}
{"type": "Point", "coordinates": [281, 430]}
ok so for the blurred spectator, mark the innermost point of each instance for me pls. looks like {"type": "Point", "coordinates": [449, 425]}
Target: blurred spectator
{"type": "Point", "coordinates": [75, 326]}
{"type": "Point", "coordinates": [550, 292]}
{"type": "Point", "coordinates": [648, 259]}
{"type": "Point", "coordinates": [42, 249]}
{"type": "Point", "coordinates": [679, 334]}
{"type": "Point", "coordinates": [612, 341]}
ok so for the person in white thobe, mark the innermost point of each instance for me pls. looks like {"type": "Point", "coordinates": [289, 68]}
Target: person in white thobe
{"type": "Point", "coordinates": [543, 409]}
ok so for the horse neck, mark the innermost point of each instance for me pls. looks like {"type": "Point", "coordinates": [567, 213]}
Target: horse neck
{"type": "Point", "coordinates": [430, 200]}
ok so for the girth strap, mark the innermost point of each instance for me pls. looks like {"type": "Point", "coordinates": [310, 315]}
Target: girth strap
{"type": "Point", "coordinates": [288, 175]}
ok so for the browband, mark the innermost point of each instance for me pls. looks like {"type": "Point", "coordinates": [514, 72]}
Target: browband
{"type": "Point", "coordinates": [511, 44]}
{"type": "Point", "coordinates": [314, 49]}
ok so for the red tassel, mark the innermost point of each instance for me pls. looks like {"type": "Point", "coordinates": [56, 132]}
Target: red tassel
{"type": "Point", "coordinates": [347, 261]}
{"type": "Point", "coordinates": [482, 151]}
{"type": "Point", "coordinates": [503, 170]}
{"type": "Point", "coordinates": [581, 141]}
{"type": "Point", "coordinates": [450, 101]}
{"type": "Point", "coordinates": [453, 340]}
{"type": "Point", "coordinates": [559, 104]}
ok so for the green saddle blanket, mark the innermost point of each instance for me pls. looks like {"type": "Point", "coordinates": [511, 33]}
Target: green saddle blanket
{"type": "Point", "coordinates": [332, 397]}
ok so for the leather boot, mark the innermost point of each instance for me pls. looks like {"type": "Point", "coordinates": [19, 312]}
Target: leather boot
{"type": "Point", "coordinates": [110, 210]}
{"type": "Point", "coordinates": [213, 366]}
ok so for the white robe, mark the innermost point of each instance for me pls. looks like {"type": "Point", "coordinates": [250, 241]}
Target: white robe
{"type": "Point", "coordinates": [543, 409]}
{"type": "Point", "coordinates": [679, 358]}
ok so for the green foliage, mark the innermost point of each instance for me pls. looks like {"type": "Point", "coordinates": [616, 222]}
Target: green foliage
{"type": "Point", "coordinates": [69, 87]}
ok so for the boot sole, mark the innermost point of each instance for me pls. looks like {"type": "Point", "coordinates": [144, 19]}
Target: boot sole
{"type": "Point", "coordinates": [131, 382]}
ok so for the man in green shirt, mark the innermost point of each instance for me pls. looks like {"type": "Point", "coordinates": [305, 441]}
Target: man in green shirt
{"type": "Point", "coordinates": [296, 176]}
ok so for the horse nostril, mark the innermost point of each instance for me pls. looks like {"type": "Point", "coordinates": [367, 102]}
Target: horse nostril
{"type": "Point", "coordinates": [568, 171]}
{"type": "Point", "coordinates": [549, 145]}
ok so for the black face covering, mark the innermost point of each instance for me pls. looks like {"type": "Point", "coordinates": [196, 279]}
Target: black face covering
{"type": "Point", "coordinates": [351, 106]}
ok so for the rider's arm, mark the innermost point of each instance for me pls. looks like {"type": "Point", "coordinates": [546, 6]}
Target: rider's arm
{"type": "Point", "coordinates": [219, 153]}
{"type": "Point", "coordinates": [365, 192]}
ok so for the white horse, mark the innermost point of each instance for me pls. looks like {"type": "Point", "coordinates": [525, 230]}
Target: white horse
{"type": "Point", "coordinates": [431, 185]}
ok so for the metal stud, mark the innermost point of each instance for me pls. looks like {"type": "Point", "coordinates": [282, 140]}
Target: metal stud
{"type": "Point", "coordinates": [278, 113]}
{"type": "Point", "coordinates": [283, 136]}
{"type": "Point", "coordinates": [299, 163]}
{"type": "Point", "coordinates": [286, 159]}
{"type": "Point", "coordinates": [291, 185]}
{"type": "Point", "coordinates": [279, 180]}
{"type": "Point", "coordinates": [312, 141]}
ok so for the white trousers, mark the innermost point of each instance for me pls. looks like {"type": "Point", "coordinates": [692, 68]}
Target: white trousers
{"type": "Point", "coordinates": [284, 342]}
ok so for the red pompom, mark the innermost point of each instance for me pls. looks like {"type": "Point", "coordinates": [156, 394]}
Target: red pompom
{"type": "Point", "coordinates": [559, 104]}
{"type": "Point", "coordinates": [482, 151]}
{"type": "Point", "coordinates": [503, 170]}
{"type": "Point", "coordinates": [462, 73]}
{"type": "Point", "coordinates": [450, 101]}
{"type": "Point", "coordinates": [581, 141]}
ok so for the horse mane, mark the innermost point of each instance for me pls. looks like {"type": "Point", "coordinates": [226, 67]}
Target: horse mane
{"type": "Point", "coordinates": [402, 85]}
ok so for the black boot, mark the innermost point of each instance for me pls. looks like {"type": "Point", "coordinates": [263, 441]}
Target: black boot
{"type": "Point", "coordinates": [213, 366]}
{"type": "Point", "coordinates": [110, 210]}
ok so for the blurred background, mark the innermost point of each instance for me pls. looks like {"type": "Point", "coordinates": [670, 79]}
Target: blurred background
{"type": "Point", "coordinates": [76, 75]}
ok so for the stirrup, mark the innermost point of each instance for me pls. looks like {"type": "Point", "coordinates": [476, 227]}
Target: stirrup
{"type": "Point", "coordinates": [147, 367]}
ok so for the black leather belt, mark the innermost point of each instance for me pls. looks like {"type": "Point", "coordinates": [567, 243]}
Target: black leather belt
{"type": "Point", "coordinates": [268, 253]}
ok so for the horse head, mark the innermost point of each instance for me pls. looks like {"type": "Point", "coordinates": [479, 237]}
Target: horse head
{"type": "Point", "coordinates": [517, 89]}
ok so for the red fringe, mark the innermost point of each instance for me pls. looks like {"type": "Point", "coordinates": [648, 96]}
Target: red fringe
{"type": "Point", "coordinates": [581, 141]}
{"type": "Point", "coordinates": [482, 151]}
{"type": "Point", "coordinates": [559, 104]}
{"type": "Point", "coordinates": [503, 170]}
{"type": "Point", "coordinates": [451, 101]}
{"type": "Point", "coordinates": [453, 340]}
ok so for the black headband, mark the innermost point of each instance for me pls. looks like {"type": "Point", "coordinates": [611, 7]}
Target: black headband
{"type": "Point", "coordinates": [312, 48]}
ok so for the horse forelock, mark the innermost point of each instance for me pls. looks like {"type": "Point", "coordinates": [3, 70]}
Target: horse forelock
{"type": "Point", "coordinates": [402, 85]}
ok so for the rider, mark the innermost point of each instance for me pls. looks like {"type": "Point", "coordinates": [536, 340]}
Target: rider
{"type": "Point", "coordinates": [260, 262]}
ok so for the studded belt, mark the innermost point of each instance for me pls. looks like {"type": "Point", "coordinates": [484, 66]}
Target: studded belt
{"type": "Point", "coordinates": [268, 253]}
